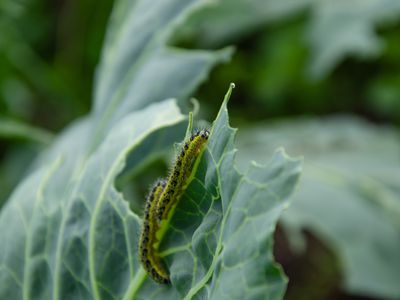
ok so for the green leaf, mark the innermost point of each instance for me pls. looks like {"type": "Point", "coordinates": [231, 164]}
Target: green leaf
{"type": "Point", "coordinates": [218, 245]}
{"type": "Point", "coordinates": [85, 246]}
{"type": "Point", "coordinates": [348, 197]}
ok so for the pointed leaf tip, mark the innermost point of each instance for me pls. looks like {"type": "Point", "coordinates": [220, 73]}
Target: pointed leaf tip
{"type": "Point", "coordinates": [228, 94]}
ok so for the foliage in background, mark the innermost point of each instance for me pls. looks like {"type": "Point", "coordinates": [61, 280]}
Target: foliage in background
{"type": "Point", "coordinates": [68, 233]}
{"type": "Point", "coordinates": [46, 73]}
{"type": "Point", "coordinates": [302, 57]}
{"type": "Point", "coordinates": [343, 28]}
{"type": "Point", "coordinates": [349, 194]}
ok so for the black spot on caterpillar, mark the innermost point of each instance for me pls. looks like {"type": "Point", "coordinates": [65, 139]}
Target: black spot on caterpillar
{"type": "Point", "coordinates": [162, 198]}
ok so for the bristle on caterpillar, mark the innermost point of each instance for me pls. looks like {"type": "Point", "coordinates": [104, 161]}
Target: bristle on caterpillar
{"type": "Point", "coordinates": [162, 198]}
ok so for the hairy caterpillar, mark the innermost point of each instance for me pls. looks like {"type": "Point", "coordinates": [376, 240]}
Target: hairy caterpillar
{"type": "Point", "coordinates": [162, 198]}
{"type": "Point", "coordinates": [180, 172]}
{"type": "Point", "coordinates": [148, 256]}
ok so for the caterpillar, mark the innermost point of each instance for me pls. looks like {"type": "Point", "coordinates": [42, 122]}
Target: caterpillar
{"type": "Point", "coordinates": [163, 196]}
{"type": "Point", "coordinates": [148, 256]}
{"type": "Point", "coordinates": [180, 172]}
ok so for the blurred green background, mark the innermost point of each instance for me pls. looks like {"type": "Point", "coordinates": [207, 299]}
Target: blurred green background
{"type": "Point", "coordinates": [321, 78]}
